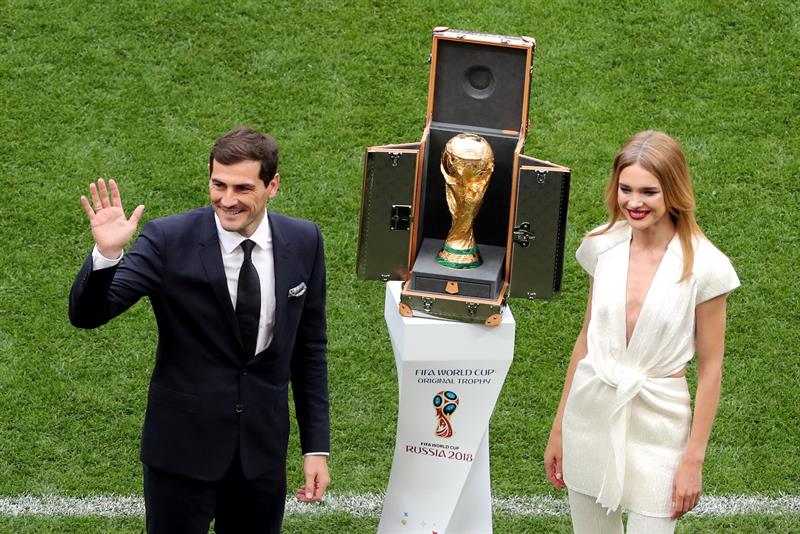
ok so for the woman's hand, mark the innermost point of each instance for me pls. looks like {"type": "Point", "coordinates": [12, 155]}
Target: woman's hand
{"type": "Point", "coordinates": [552, 459]}
{"type": "Point", "coordinates": [687, 487]}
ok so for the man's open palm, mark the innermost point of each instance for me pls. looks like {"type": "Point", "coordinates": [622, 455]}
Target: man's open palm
{"type": "Point", "coordinates": [110, 229]}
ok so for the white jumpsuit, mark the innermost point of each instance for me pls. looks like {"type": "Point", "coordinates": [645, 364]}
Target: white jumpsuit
{"type": "Point", "coordinates": [626, 424]}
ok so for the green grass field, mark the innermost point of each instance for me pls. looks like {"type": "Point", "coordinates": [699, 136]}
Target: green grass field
{"type": "Point", "coordinates": [138, 91]}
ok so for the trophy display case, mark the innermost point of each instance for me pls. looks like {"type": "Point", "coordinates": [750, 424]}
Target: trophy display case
{"type": "Point", "coordinates": [460, 213]}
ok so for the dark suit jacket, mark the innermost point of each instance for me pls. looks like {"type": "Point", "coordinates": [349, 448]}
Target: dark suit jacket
{"type": "Point", "coordinates": [206, 396]}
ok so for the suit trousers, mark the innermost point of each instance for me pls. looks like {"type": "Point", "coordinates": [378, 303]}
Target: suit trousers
{"type": "Point", "coordinates": [176, 504]}
{"type": "Point", "coordinates": [589, 517]}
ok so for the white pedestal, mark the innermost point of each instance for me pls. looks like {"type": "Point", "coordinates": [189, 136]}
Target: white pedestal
{"type": "Point", "coordinates": [439, 483]}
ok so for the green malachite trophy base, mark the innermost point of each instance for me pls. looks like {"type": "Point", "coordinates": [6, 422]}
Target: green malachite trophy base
{"type": "Point", "coordinates": [454, 258]}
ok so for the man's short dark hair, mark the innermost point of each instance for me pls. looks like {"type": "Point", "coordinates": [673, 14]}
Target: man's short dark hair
{"type": "Point", "coordinates": [243, 144]}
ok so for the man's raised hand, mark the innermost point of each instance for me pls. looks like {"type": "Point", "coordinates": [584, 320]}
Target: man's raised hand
{"type": "Point", "coordinates": [110, 229]}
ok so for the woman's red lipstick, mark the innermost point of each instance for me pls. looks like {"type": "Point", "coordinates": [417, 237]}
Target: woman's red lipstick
{"type": "Point", "coordinates": [638, 215]}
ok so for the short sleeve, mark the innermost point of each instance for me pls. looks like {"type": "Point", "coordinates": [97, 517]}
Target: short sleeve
{"type": "Point", "coordinates": [587, 254]}
{"type": "Point", "coordinates": [715, 276]}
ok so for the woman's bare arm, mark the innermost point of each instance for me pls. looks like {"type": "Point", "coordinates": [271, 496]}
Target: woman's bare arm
{"type": "Point", "coordinates": [710, 318]}
{"type": "Point", "coordinates": [553, 451]}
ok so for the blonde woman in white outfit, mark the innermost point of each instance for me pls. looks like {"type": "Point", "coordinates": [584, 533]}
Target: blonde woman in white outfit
{"type": "Point", "coordinates": [624, 437]}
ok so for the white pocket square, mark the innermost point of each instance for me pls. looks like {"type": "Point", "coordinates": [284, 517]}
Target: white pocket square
{"type": "Point", "coordinates": [298, 291]}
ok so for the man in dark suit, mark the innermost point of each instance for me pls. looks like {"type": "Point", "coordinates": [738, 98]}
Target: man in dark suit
{"type": "Point", "coordinates": [239, 298]}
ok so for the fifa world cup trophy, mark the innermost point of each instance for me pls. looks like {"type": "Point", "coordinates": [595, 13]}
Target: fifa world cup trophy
{"type": "Point", "coordinates": [467, 166]}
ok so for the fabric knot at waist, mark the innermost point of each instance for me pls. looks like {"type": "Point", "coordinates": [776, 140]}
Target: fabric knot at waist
{"type": "Point", "coordinates": [628, 383]}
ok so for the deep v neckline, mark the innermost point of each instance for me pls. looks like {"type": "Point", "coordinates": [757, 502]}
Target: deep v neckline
{"type": "Point", "coordinates": [647, 296]}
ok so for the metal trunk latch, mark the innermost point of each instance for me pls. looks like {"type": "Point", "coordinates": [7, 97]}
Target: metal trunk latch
{"type": "Point", "coordinates": [427, 303]}
{"type": "Point", "coordinates": [540, 176]}
{"type": "Point", "coordinates": [394, 156]}
{"type": "Point", "coordinates": [472, 308]}
{"type": "Point", "coordinates": [523, 235]}
{"type": "Point", "coordinates": [401, 217]}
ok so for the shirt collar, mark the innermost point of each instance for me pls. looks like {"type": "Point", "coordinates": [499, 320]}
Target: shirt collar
{"type": "Point", "coordinates": [230, 240]}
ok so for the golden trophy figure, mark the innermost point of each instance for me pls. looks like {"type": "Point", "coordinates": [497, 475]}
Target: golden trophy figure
{"type": "Point", "coordinates": [467, 166]}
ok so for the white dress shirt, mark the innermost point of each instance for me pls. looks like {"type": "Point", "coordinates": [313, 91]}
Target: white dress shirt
{"type": "Point", "coordinates": [232, 259]}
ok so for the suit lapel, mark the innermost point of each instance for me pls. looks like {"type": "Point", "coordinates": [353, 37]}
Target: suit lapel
{"type": "Point", "coordinates": [211, 258]}
{"type": "Point", "coordinates": [281, 253]}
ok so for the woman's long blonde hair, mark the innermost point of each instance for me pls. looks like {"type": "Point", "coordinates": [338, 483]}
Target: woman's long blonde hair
{"type": "Point", "coordinates": [661, 155]}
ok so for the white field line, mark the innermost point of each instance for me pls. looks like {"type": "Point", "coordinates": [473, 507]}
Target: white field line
{"type": "Point", "coordinates": [369, 505]}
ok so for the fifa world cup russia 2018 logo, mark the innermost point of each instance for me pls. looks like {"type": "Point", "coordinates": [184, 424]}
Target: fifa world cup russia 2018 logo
{"type": "Point", "coordinates": [445, 403]}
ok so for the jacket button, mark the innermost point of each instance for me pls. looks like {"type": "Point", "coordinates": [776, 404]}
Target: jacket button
{"type": "Point", "coordinates": [239, 408]}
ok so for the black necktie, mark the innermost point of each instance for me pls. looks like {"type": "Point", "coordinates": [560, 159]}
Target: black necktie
{"type": "Point", "coordinates": [248, 300]}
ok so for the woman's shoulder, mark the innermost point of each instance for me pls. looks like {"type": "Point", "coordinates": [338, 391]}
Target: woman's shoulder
{"type": "Point", "coordinates": [596, 242]}
{"type": "Point", "coordinates": [619, 231]}
{"type": "Point", "coordinates": [599, 241]}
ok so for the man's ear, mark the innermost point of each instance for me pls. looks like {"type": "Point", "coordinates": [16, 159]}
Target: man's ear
{"type": "Point", "coordinates": [272, 186]}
